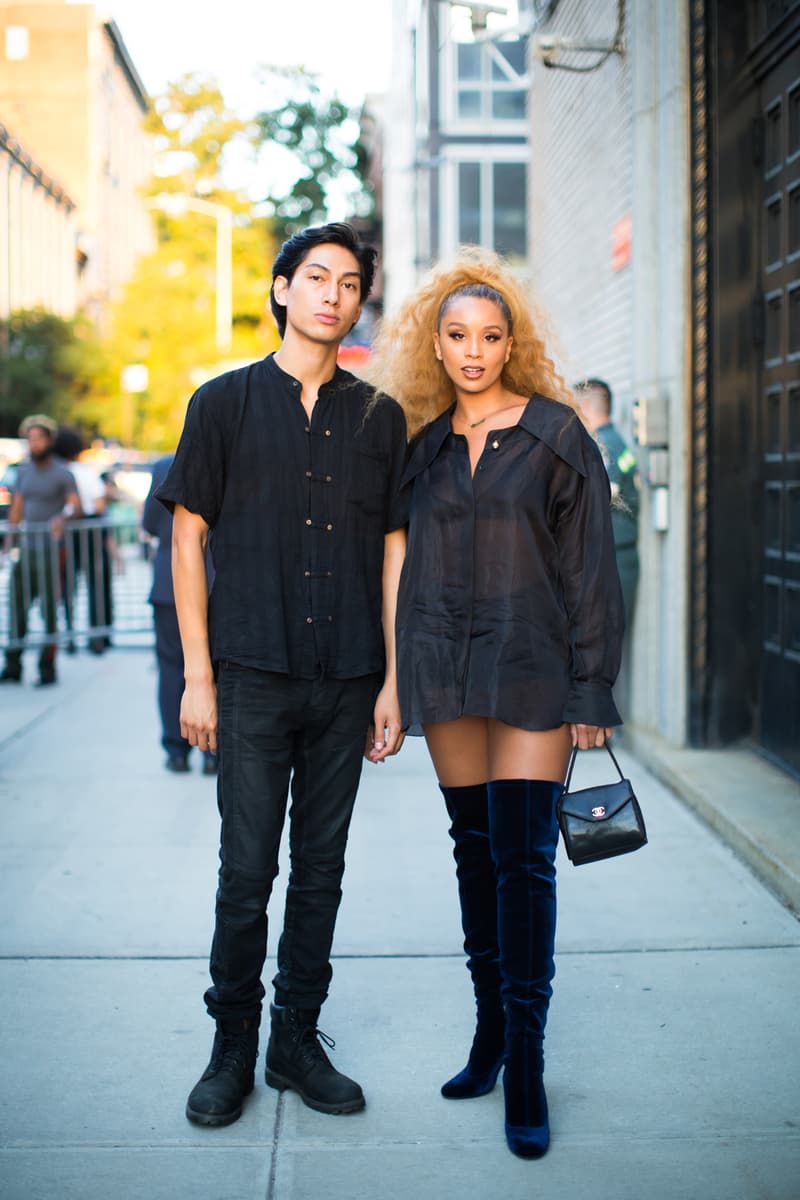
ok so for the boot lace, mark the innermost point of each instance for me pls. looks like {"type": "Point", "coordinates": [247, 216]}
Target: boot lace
{"type": "Point", "coordinates": [233, 1053]}
{"type": "Point", "coordinates": [308, 1045]}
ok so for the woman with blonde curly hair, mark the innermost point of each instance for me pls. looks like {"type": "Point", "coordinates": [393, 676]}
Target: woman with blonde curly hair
{"type": "Point", "coordinates": [509, 628]}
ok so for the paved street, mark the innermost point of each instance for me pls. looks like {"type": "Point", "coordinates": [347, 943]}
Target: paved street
{"type": "Point", "coordinates": [672, 1049]}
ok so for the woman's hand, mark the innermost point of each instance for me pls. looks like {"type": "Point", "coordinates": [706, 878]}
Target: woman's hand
{"type": "Point", "coordinates": [384, 736]}
{"type": "Point", "coordinates": [585, 737]}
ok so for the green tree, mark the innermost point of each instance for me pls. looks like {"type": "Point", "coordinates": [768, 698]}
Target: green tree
{"type": "Point", "coordinates": [166, 317]}
{"type": "Point", "coordinates": [52, 365]}
{"type": "Point", "coordinates": [321, 133]}
{"type": "Point", "coordinates": [194, 130]}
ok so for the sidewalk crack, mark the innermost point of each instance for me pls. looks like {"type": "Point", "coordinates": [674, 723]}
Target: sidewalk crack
{"type": "Point", "coordinates": [276, 1135]}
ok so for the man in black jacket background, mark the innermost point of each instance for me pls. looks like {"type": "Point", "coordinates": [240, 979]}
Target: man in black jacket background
{"type": "Point", "coordinates": [157, 521]}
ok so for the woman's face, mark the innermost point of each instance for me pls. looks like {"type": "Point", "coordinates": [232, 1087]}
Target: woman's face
{"type": "Point", "coordinates": [473, 343]}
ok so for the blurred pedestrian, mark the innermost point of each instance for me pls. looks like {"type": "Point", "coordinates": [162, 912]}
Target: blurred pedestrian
{"type": "Point", "coordinates": [596, 402]}
{"type": "Point", "coordinates": [85, 548]}
{"type": "Point", "coordinates": [595, 399]}
{"type": "Point", "coordinates": [509, 625]}
{"type": "Point", "coordinates": [45, 495]}
{"type": "Point", "coordinates": [295, 466]}
{"type": "Point", "coordinates": [157, 521]}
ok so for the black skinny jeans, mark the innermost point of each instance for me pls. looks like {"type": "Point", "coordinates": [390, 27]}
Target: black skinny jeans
{"type": "Point", "coordinates": [34, 575]}
{"type": "Point", "coordinates": [271, 728]}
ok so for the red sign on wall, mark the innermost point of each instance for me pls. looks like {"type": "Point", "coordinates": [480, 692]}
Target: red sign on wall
{"type": "Point", "coordinates": [621, 235]}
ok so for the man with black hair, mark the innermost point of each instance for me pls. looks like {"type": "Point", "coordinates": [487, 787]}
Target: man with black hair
{"type": "Point", "coordinates": [45, 494]}
{"type": "Point", "coordinates": [289, 666]}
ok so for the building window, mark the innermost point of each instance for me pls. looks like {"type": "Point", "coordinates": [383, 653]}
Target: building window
{"type": "Point", "coordinates": [490, 81]}
{"type": "Point", "coordinates": [469, 203]}
{"type": "Point", "coordinates": [492, 206]}
{"type": "Point", "coordinates": [17, 43]}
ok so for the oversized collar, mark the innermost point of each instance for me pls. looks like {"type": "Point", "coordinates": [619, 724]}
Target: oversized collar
{"type": "Point", "coordinates": [339, 379]}
{"type": "Point", "coordinates": [550, 421]}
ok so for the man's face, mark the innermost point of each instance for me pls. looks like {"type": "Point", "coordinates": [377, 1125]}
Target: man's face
{"type": "Point", "coordinates": [323, 301]}
{"type": "Point", "coordinates": [40, 444]}
{"type": "Point", "coordinates": [594, 408]}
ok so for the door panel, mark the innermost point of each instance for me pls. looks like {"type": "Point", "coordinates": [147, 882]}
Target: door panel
{"type": "Point", "coordinates": [778, 714]}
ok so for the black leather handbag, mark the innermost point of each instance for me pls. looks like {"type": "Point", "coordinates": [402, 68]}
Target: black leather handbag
{"type": "Point", "coordinates": [602, 821]}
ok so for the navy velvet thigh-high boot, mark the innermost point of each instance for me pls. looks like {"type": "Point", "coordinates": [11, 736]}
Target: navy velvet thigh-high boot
{"type": "Point", "coordinates": [523, 833]}
{"type": "Point", "coordinates": [477, 891]}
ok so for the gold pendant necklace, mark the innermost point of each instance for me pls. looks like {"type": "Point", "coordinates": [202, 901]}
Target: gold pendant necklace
{"type": "Point", "coordinates": [475, 424]}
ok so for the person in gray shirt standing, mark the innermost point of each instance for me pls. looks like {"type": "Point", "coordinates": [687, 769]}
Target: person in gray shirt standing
{"type": "Point", "coordinates": [45, 495]}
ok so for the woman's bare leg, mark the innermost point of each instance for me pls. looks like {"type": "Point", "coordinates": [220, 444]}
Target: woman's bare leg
{"type": "Point", "coordinates": [527, 754]}
{"type": "Point", "coordinates": [460, 750]}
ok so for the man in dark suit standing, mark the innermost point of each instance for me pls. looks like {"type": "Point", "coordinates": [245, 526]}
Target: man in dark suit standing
{"type": "Point", "coordinates": [157, 521]}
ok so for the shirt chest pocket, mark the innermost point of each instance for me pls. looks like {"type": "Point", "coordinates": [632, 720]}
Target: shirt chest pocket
{"type": "Point", "coordinates": [368, 483]}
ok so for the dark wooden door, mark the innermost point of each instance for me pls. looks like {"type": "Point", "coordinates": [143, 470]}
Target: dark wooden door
{"type": "Point", "coordinates": [778, 713]}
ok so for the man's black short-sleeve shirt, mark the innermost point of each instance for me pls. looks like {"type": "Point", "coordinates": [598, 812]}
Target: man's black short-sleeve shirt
{"type": "Point", "coordinates": [298, 511]}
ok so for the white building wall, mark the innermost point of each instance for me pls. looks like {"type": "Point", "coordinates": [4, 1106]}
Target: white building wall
{"type": "Point", "coordinates": [661, 350]}
{"type": "Point", "coordinates": [37, 236]}
{"type": "Point", "coordinates": [606, 144]}
{"type": "Point", "coordinates": [581, 182]}
{"type": "Point", "coordinates": [400, 178]}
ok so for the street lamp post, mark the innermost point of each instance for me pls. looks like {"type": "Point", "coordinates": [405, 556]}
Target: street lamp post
{"type": "Point", "coordinates": [175, 204]}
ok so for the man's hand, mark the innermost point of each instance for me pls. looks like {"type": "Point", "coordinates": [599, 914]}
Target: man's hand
{"type": "Point", "coordinates": [384, 736]}
{"type": "Point", "coordinates": [199, 715]}
{"type": "Point", "coordinates": [585, 737]}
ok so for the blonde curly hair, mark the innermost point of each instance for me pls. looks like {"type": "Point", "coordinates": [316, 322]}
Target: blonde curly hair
{"type": "Point", "coordinates": [403, 363]}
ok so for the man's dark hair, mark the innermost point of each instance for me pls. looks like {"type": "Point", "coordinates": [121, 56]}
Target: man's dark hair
{"type": "Point", "coordinates": [294, 250]}
{"type": "Point", "coordinates": [597, 385]}
{"type": "Point", "coordinates": [69, 443]}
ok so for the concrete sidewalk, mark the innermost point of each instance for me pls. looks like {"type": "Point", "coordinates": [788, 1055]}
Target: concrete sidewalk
{"type": "Point", "coordinates": [672, 1052]}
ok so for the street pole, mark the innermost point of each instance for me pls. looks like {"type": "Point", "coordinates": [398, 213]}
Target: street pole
{"type": "Point", "coordinates": [224, 277]}
{"type": "Point", "coordinates": [174, 204]}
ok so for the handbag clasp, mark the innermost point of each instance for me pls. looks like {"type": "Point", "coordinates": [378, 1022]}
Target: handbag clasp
{"type": "Point", "coordinates": [599, 811]}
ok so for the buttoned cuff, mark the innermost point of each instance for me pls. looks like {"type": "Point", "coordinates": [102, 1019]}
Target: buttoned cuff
{"type": "Point", "coordinates": [590, 703]}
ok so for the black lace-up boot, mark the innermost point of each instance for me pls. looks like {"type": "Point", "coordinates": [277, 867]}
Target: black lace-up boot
{"type": "Point", "coordinates": [216, 1098]}
{"type": "Point", "coordinates": [295, 1059]}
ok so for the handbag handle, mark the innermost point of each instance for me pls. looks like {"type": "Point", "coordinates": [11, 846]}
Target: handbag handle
{"type": "Point", "coordinates": [574, 755]}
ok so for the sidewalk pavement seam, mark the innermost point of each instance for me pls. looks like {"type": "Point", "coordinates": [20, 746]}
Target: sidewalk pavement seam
{"type": "Point", "coordinates": [461, 1142]}
{"type": "Point", "coordinates": [721, 948]}
{"type": "Point", "coordinates": [21, 730]}
{"type": "Point", "coordinates": [276, 1137]}
{"type": "Point", "coordinates": [136, 1147]}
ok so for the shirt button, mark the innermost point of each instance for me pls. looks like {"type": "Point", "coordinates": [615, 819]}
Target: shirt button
{"type": "Point", "coordinates": [307, 574]}
{"type": "Point", "coordinates": [330, 618]}
{"type": "Point", "coordinates": [495, 445]}
{"type": "Point", "coordinates": [309, 620]}
{"type": "Point", "coordinates": [308, 429]}
{"type": "Point", "coordinates": [328, 478]}
{"type": "Point", "coordinates": [308, 522]}
{"type": "Point", "coordinates": [308, 475]}
{"type": "Point", "coordinates": [329, 528]}
{"type": "Point", "coordinates": [327, 433]}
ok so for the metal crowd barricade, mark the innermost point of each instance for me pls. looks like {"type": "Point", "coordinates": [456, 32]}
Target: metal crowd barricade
{"type": "Point", "coordinates": [88, 586]}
